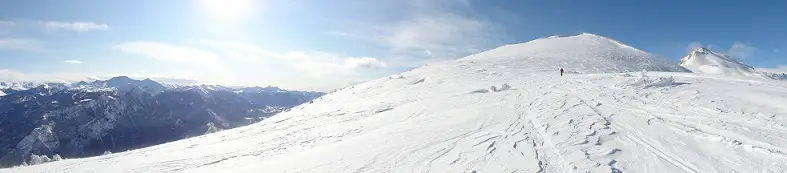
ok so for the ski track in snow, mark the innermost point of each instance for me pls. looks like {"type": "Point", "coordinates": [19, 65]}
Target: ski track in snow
{"type": "Point", "coordinates": [444, 118]}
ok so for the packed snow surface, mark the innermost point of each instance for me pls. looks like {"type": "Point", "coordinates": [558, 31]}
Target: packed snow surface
{"type": "Point", "coordinates": [448, 117]}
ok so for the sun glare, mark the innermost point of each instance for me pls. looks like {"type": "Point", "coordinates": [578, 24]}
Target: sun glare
{"type": "Point", "coordinates": [227, 10]}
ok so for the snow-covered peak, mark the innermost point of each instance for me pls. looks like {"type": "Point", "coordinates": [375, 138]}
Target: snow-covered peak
{"type": "Point", "coordinates": [582, 53]}
{"type": "Point", "coordinates": [124, 84]}
{"type": "Point", "coordinates": [203, 90]}
{"type": "Point", "coordinates": [268, 89]}
{"type": "Point", "coordinates": [702, 49]}
{"type": "Point", "coordinates": [120, 80]}
{"type": "Point", "coordinates": [18, 85]}
{"type": "Point", "coordinates": [79, 84]}
{"type": "Point", "coordinates": [703, 60]}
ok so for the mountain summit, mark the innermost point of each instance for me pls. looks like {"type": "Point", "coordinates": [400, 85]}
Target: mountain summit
{"type": "Point", "coordinates": [582, 53]}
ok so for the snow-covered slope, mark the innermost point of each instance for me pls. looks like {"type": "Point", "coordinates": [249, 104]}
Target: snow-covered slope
{"type": "Point", "coordinates": [702, 60]}
{"type": "Point", "coordinates": [497, 114]}
{"type": "Point", "coordinates": [583, 53]}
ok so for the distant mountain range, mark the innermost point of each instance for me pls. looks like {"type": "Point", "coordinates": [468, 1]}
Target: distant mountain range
{"type": "Point", "coordinates": [89, 118]}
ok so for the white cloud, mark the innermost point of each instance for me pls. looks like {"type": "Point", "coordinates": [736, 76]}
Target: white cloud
{"type": "Point", "coordinates": [364, 62]}
{"type": "Point", "coordinates": [23, 26]}
{"type": "Point", "coordinates": [741, 50]}
{"type": "Point", "coordinates": [311, 56]}
{"type": "Point", "coordinates": [338, 33]}
{"type": "Point", "coordinates": [10, 75]}
{"type": "Point", "coordinates": [17, 76]}
{"type": "Point", "coordinates": [169, 52]}
{"type": "Point", "coordinates": [252, 53]}
{"type": "Point", "coordinates": [241, 51]}
{"type": "Point", "coordinates": [20, 44]}
{"type": "Point", "coordinates": [433, 30]}
{"type": "Point", "coordinates": [248, 64]}
{"type": "Point", "coordinates": [313, 70]}
{"type": "Point", "coordinates": [442, 35]}
{"type": "Point", "coordinates": [73, 62]}
{"type": "Point", "coordinates": [74, 26]}
{"type": "Point", "coordinates": [329, 75]}
{"type": "Point", "coordinates": [440, 32]}
{"type": "Point", "coordinates": [249, 52]}
{"type": "Point", "coordinates": [325, 65]}
{"type": "Point", "coordinates": [333, 70]}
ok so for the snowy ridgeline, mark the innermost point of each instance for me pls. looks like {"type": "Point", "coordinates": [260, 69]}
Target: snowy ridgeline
{"type": "Point", "coordinates": [500, 113]}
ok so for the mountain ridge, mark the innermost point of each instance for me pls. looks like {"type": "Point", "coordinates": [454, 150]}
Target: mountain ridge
{"type": "Point", "coordinates": [77, 120]}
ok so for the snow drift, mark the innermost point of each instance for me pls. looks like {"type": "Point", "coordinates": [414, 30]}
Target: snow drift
{"type": "Point", "coordinates": [431, 120]}
{"type": "Point", "coordinates": [645, 81]}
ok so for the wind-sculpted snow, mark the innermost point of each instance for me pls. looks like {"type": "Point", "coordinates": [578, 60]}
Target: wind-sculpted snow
{"type": "Point", "coordinates": [446, 118]}
{"type": "Point", "coordinates": [645, 81]}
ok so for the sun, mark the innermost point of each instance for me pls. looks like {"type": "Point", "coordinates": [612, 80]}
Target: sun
{"type": "Point", "coordinates": [227, 10]}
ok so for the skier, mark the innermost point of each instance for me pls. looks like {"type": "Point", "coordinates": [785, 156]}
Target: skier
{"type": "Point", "coordinates": [561, 71]}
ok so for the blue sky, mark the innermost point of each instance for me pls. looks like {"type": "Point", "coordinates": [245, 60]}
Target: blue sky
{"type": "Point", "coordinates": [327, 44]}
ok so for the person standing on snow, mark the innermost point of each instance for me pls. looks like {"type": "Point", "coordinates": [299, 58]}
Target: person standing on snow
{"type": "Point", "coordinates": [561, 71]}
